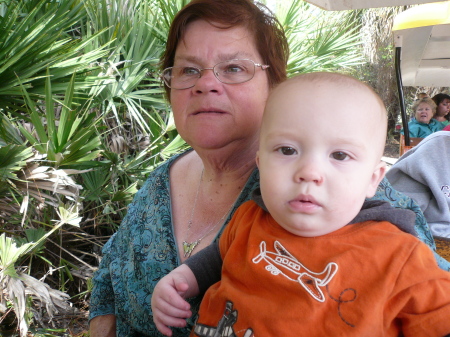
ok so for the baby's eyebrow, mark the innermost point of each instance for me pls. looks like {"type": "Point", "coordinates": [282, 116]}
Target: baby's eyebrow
{"type": "Point", "coordinates": [350, 141]}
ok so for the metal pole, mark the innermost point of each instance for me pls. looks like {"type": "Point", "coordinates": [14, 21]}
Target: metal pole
{"type": "Point", "coordinates": [401, 96]}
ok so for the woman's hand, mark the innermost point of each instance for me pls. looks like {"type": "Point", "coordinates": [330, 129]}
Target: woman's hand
{"type": "Point", "coordinates": [168, 304]}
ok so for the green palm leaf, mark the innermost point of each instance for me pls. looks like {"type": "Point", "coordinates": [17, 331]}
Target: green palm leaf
{"type": "Point", "coordinates": [35, 36]}
{"type": "Point", "coordinates": [70, 139]}
{"type": "Point", "coordinates": [319, 40]}
{"type": "Point", "coordinates": [12, 159]}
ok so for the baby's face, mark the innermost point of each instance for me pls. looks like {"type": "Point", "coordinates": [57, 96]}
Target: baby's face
{"type": "Point", "coordinates": [318, 164]}
{"type": "Point", "coordinates": [424, 112]}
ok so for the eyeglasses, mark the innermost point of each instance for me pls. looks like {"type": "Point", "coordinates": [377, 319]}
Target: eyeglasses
{"type": "Point", "coordinates": [229, 72]}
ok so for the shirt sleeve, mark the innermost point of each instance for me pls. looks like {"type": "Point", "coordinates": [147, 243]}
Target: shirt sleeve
{"type": "Point", "coordinates": [421, 296]}
{"type": "Point", "coordinates": [206, 266]}
{"type": "Point", "coordinates": [102, 296]}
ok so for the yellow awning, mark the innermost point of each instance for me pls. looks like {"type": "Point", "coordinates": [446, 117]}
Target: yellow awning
{"type": "Point", "coordinates": [338, 5]}
{"type": "Point", "coordinates": [437, 13]}
{"type": "Point", "coordinates": [423, 33]}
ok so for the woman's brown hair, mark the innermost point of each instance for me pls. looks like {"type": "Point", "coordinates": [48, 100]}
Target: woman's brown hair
{"type": "Point", "coordinates": [268, 33]}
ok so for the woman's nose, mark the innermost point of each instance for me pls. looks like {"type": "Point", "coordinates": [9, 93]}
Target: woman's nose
{"type": "Point", "coordinates": [207, 82]}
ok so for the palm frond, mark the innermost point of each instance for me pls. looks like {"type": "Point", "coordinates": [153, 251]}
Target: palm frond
{"type": "Point", "coordinates": [319, 40]}
{"type": "Point", "coordinates": [34, 37]}
{"type": "Point", "coordinates": [12, 159]}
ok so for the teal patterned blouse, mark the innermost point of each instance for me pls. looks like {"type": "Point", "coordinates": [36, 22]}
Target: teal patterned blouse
{"type": "Point", "coordinates": [141, 252]}
{"type": "Point", "coordinates": [144, 250]}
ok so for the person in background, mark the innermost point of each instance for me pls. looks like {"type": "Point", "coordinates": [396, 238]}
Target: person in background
{"type": "Point", "coordinates": [421, 95]}
{"type": "Point", "coordinates": [442, 102]}
{"type": "Point", "coordinates": [423, 124]}
{"type": "Point", "coordinates": [422, 174]}
{"type": "Point", "coordinates": [309, 255]}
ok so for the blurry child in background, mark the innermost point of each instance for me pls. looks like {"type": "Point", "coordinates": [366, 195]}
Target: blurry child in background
{"type": "Point", "coordinates": [421, 95]}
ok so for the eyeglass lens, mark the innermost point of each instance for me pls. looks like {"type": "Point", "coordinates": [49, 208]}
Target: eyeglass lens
{"type": "Point", "coordinates": [229, 72]}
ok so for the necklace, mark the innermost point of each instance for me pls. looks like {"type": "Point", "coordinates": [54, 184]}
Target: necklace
{"type": "Point", "coordinates": [188, 247]}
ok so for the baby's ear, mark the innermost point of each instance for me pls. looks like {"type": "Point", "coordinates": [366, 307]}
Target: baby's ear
{"type": "Point", "coordinates": [257, 159]}
{"type": "Point", "coordinates": [377, 176]}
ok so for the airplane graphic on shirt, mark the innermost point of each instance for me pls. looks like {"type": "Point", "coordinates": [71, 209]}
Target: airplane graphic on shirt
{"type": "Point", "coordinates": [282, 262]}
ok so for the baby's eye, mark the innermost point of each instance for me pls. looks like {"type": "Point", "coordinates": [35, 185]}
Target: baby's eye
{"type": "Point", "coordinates": [339, 155]}
{"type": "Point", "coordinates": [287, 150]}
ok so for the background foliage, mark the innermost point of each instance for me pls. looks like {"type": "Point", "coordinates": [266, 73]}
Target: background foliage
{"type": "Point", "coordinates": [83, 121]}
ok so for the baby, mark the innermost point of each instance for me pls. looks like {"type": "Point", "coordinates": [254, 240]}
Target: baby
{"type": "Point", "coordinates": [308, 255]}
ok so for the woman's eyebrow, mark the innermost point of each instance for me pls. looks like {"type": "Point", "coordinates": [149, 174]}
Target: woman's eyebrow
{"type": "Point", "coordinates": [221, 57]}
{"type": "Point", "coordinates": [187, 58]}
{"type": "Point", "coordinates": [237, 55]}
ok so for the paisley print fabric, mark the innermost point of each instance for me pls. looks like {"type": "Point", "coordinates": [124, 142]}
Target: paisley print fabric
{"type": "Point", "coordinates": [141, 252]}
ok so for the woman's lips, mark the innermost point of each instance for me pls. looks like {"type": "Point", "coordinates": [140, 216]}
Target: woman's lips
{"type": "Point", "coordinates": [208, 111]}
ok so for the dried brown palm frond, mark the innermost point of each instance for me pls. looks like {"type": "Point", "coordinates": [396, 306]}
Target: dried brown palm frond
{"type": "Point", "coordinates": [44, 183]}
{"type": "Point", "coordinates": [8, 207]}
{"type": "Point", "coordinates": [118, 144]}
{"type": "Point", "coordinates": [17, 287]}
{"type": "Point", "coordinates": [46, 301]}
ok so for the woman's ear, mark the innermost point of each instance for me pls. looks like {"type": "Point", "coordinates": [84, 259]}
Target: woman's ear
{"type": "Point", "coordinates": [377, 175]}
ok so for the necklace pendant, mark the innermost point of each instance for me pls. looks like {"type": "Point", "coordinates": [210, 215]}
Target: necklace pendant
{"type": "Point", "coordinates": [189, 247]}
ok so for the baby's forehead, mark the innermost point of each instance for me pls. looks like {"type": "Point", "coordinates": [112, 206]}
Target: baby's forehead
{"type": "Point", "coordinates": [327, 89]}
{"type": "Point", "coordinates": [319, 98]}
{"type": "Point", "coordinates": [327, 84]}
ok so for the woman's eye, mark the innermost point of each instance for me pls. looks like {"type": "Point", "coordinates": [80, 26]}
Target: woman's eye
{"type": "Point", "coordinates": [190, 71]}
{"type": "Point", "coordinates": [233, 69]}
{"type": "Point", "coordinates": [339, 155]}
{"type": "Point", "coordinates": [287, 151]}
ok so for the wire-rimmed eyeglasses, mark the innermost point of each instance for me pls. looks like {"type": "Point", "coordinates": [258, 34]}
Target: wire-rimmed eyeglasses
{"type": "Point", "coordinates": [229, 72]}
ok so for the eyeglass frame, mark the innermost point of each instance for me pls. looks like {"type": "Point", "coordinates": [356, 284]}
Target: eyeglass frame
{"type": "Point", "coordinates": [200, 70]}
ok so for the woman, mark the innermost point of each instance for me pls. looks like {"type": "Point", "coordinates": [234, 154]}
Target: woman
{"type": "Point", "coordinates": [442, 108]}
{"type": "Point", "coordinates": [423, 123]}
{"type": "Point", "coordinates": [222, 58]}
{"type": "Point", "coordinates": [217, 103]}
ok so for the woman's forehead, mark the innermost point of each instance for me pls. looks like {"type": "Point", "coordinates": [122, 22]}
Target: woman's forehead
{"type": "Point", "coordinates": [201, 36]}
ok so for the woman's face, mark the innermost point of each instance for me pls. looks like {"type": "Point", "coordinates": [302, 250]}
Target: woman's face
{"type": "Point", "coordinates": [443, 108]}
{"type": "Point", "coordinates": [211, 114]}
{"type": "Point", "coordinates": [424, 112]}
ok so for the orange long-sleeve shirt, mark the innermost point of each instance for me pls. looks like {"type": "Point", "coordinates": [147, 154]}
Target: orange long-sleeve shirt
{"type": "Point", "coordinates": [366, 279]}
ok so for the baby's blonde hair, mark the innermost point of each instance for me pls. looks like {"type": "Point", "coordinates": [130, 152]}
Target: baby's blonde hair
{"type": "Point", "coordinates": [349, 81]}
